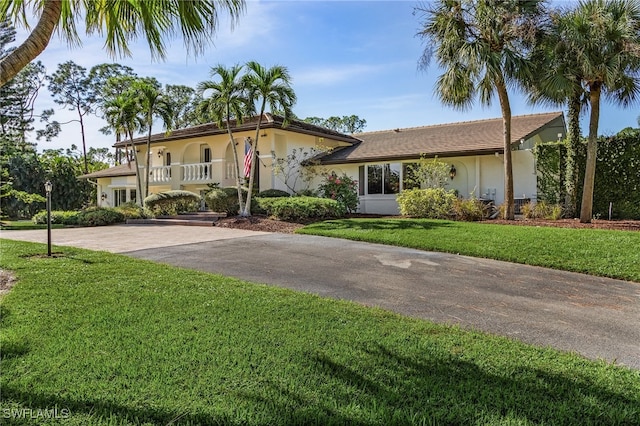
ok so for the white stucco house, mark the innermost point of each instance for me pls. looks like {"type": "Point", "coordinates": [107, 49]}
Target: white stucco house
{"type": "Point", "coordinates": [192, 158]}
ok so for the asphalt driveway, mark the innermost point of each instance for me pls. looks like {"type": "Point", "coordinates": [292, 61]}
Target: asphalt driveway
{"type": "Point", "coordinates": [596, 317]}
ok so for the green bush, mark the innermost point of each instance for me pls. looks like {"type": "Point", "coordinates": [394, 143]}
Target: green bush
{"type": "Point", "coordinates": [431, 203]}
{"type": "Point", "coordinates": [301, 208]}
{"type": "Point", "coordinates": [273, 193]}
{"type": "Point", "coordinates": [542, 210]}
{"type": "Point", "coordinates": [225, 200]}
{"type": "Point", "coordinates": [469, 209]}
{"type": "Point", "coordinates": [343, 189]}
{"type": "Point", "coordinates": [100, 217]}
{"type": "Point", "coordinates": [63, 217]}
{"type": "Point", "coordinates": [131, 211]}
{"type": "Point", "coordinates": [172, 202]}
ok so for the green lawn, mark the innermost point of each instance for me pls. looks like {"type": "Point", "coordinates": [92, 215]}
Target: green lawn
{"type": "Point", "coordinates": [605, 253]}
{"type": "Point", "coordinates": [115, 340]}
{"type": "Point", "coordinates": [25, 224]}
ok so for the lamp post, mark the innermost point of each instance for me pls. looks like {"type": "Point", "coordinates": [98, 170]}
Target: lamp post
{"type": "Point", "coordinates": [48, 186]}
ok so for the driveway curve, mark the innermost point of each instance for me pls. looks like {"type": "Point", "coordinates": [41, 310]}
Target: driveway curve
{"type": "Point", "coordinates": [596, 317]}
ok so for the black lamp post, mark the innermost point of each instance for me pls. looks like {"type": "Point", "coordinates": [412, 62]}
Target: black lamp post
{"type": "Point", "coordinates": [48, 186]}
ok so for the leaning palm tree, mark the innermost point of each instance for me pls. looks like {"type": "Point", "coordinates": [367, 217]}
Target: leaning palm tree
{"type": "Point", "coordinates": [226, 100]}
{"type": "Point", "coordinates": [483, 47]}
{"type": "Point", "coordinates": [267, 87]}
{"type": "Point", "coordinates": [153, 104]}
{"type": "Point", "coordinates": [606, 36]}
{"type": "Point", "coordinates": [120, 21]}
{"type": "Point", "coordinates": [122, 114]}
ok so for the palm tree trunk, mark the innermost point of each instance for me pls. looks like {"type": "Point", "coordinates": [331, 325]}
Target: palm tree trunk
{"type": "Point", "coordinates": [505, 106]}
{"type": "Point", "coordinates": [235, 158]}
{"type": "Point", "coordinates": [34, 44]}
{"type": "Point", "coordinates": [140, 200]}
{"type": "Point", "coordinates": [586, 209]}
{"type": "Point", "coordinates": [84, 142]}
{"type": "Point", "coordinates": [254, 150]}
{"type": "Point", "coordinates": [147, 169]}
{"type": "Point", "coordinates": [571, 172]}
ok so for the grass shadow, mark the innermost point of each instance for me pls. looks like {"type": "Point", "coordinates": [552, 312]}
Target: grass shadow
{"type": "Point", "coordinates": [378, 224]}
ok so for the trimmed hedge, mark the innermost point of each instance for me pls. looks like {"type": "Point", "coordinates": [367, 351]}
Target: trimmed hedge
{"type": "Point", "coordinates": [301, 208]}
{"type": "Point", "coordinates": [225, 200]}
{"type": "Point", "coordinates": [431, 203]}
{"type": "Point", "coordinates": [89, 217]}
{"type": "Point", "coordinates": [617, 178]}
{"type": "Point", "coordinates": [273, 193]}
{"type": "Point", "coordinates": [172, 202]}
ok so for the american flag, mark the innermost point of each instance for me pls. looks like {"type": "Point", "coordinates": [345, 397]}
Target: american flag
{"type": "Point", "coordinates": [248, 156]}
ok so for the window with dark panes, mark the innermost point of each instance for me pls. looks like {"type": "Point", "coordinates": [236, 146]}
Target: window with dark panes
{"type": "Point", "coordinates": [374, 179]}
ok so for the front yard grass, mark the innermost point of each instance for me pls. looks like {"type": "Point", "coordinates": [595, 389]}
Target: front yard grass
{"type": "Point", "coordinates": [115, 340]}
{"type": "Point", "coordinates": [25, 224]}
{"type": "Point", "coordinates": [606, 253]}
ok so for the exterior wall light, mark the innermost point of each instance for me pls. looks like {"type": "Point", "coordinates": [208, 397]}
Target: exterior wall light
{"type": "Point", "coordinates": [452, 172]}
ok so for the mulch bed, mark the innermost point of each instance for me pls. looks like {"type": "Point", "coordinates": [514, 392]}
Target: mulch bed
{"type": "Point", "coordinates": [262, 223]}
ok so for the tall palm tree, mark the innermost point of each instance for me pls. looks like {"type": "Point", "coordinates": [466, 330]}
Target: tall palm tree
{"type": "Point", "coordinates": [153, 104]}
{"type": "Point", "coordinates": [123, 115]}
{"type": "Point", "coordinates": [120, 21]}
{"type": "Point", "coordinates": [606, 36]}
{"type": "Point", "coordinates": [559, 83]}
{"type": "Point", "coordinates": [483, 47]}
{"type": "Point", "coordinates": [267, 87]}
{"type": "Point", "coordinates": [226, 100]}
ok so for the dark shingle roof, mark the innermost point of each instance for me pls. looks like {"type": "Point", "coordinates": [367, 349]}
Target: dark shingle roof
{"type": "Point", "coordinates": [445, 140]}
{"type": "Point", "coordinates": [122, 170]}
{"type": "Point", "coordinates": [269, 121]}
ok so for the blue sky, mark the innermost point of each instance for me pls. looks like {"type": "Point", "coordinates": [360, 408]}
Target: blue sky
{"type": "Point", "coordinates": [345, 57]}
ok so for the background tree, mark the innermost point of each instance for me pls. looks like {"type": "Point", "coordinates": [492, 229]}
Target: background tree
{"type": "Point", "coordinates": [348, 124]}
{"type": "Point", "coordinates": [270, 87]}
{"type": "Point", "coordinates": [483, 48]}
{"type": "Point", "coordinates": [72, 88]}
{"type": "Point", "coordinates": [121, 22]}
{"type": "Point", "coordinates": [226, 100]}
{"type": "Point", "coordinates": [184, 101]}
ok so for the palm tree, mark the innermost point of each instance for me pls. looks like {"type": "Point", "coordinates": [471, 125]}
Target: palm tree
{"type": "Point", "coordinates": [558, 83]}
{"type": "Point", "coordinates": [153, 104]}
{"type": "Point", "coordinates": [606, 36]}
{"type": "Point", "coordinates": [123, 115]}
{"type": "Point", "coordinates": [121, 22]}
{"type": "Point", "coordinates": [227, 100]}
{"type": "Point", "coordinates": [266, 86]}
{"type": "Point", "coordinates": [482, 46]}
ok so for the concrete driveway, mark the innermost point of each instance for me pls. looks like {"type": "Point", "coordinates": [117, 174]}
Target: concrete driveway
{"type": "Point", "coordinates": [596, 317]}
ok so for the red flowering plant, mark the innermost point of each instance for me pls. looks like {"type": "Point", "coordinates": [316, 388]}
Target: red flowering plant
{"type": "Point", "coordinates": [343, 189]}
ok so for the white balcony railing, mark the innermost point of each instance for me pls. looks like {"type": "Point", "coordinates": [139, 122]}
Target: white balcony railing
{"type": "Point", "coordinates": [160, 174]}
{"type": "Point", "coordinates": [196, 172]}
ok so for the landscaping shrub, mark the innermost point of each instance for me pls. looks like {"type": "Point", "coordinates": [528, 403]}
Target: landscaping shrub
{"type": "Point", "coordinates": [273, 193]}
{"type": "Point", "coordinates": [343, 189]}
{"type": "Point", "coordinates": [301, 208]}
{"type": "Point", "coordinates": [432, 203]}
{"type": "Point", "coordinates": [100, 217]}
{"type": "Point", "coordinates": [131, 210]}
{"type": "Point", "coordinates": [469, 209]}
{"type": "Point", "coordinates": [63, 217]}
{"type": "Point", "coordinates": [172, 202]}
{"type": "Point", "coordinates": [225, 200]}
{"type": "Point", "coordinates": [542, 210]}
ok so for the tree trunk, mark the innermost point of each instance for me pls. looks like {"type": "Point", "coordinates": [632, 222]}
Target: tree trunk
{"type": "Point", "coordinates": [505, 106]}
{"type": "Point", "coordinates": [571, 172]}
{"type": "Point", "coordinates": [84, 143]}
{"type": "Point", "coordinates": [37, 41]}
{"type": "Point", "coordinates": [235, 158]}
{"type": "Point", "coordinates": [148, 169]}
{"type": "Point", "coordinates": [586, 209]}
{"type": "Point", "coordinates": [140, 200]}
{"type": "Point", "coordinates": [254, 158]}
